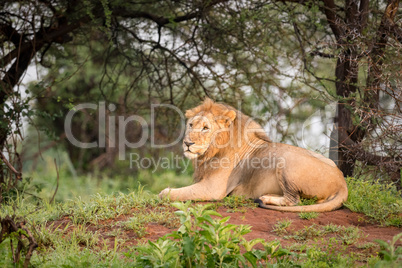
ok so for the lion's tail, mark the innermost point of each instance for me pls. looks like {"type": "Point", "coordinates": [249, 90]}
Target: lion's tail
{"type": "Point", "coordinates": [332, 203]}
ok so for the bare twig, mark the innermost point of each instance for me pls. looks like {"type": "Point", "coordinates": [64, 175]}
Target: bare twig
{"type": "Point", "coordinates": [57, 185]}
{"type": "Point", "coordinates": [4, 159]}
{"type": "Point", "coordinates": [8, 227]}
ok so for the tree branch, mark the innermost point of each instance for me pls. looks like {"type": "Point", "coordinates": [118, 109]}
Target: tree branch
{"type": "Point", "coordinates": [9, 32]}
{"type": "Point", "coordinates": [355, 149]}
{"type": "Point", "coordinates": [162, 21]}
{"type": "Point", "coordinates": [10, 167]}
{"type": "Point", "coordinates": [334, 21]}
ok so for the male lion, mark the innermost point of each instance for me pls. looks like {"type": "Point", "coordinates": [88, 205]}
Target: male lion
{"type": "Point", "coordinates": [233, 156]}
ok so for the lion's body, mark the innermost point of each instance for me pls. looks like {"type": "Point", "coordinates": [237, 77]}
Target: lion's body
{"type": "Point", "coordinates": [233, 156]}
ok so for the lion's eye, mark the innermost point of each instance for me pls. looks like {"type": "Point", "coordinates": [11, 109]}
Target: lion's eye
{"type": "Point", "coordinates": [205, 128]}
{"type": "Point", "coordinates": [190, 125]}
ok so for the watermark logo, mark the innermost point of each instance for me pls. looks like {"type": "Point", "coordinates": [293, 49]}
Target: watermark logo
{"type": "Point", "coordinates": [155, 163]}
{"type": "Point", "coordinates": [112, 131]}
{"type": "Point", "coordinates": [147, 128]}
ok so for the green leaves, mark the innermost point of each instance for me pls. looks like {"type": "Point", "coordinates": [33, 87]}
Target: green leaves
{"type": "Point", "coordinates": [159, 254]}
{"type": "Point", "coordinates": [205, 239]}
{"type": "Point", "coordinates": [380, 202]}
{"type": "Point", "coordinates": [390, 253]}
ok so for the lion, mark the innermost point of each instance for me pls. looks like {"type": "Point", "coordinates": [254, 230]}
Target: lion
{"type": "Point", "coordinates": [232, 155]}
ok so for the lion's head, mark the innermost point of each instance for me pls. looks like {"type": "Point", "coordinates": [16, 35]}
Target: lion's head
{"type": "Point", "coordinates": [207, 128]}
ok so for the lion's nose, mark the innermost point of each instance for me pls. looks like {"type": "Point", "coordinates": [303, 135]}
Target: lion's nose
{"type": "Point", "coordinates": [188, 144]}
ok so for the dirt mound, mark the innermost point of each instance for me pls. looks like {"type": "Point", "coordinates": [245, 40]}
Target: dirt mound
{"type": "Point", "coordinates": [263, 222]}
{"type": "Point", "coordinates": [353, 231]}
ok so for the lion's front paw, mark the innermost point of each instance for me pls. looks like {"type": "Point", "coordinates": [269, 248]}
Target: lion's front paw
{"type": "Point", "coordinates": [164, 193]}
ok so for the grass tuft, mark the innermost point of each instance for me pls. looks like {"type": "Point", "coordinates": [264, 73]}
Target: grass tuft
{"type": "Point", "coordinates": [308, 215]}
{"type": "Point", "coordinates": [237, 203]}
{"type": "Point", "coordinates": [281, 227]}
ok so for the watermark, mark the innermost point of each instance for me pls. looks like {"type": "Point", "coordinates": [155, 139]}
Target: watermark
{"type": "Point", "coordinates": [269, 161]}
{"type": "Point", "coordinates": [147, 128]}
{"type": "Point", "coordinates": [176, 162]}
{"type": "Point", "coordinates": [202, 132]}
{"type": "Point", "coordinates": [116, 136]}
{"type": "Point", "coordinates": [156, 163]}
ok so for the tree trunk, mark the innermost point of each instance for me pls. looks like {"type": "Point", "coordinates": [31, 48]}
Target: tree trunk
{"type": "Point", "coordinates": [347, 134]}
{"type": "Point", "coordinates": [344, 130]}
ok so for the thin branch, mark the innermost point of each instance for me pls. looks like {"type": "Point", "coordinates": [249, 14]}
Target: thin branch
{"type": "Point", "coordinates": [10, 167]}
{"type": "Point", "coordinates": [9, 32]}
{"type": "Point", "coordinates": [57, 185]}
{"type": "Point", "coordinates": [322, 54]}
{"type": "Point", "coordinates": [162, 21]}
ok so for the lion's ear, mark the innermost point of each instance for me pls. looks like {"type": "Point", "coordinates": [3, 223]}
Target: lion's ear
{"type": "Point", "coordinates": [227, 118]}
{"type": "Point", "coordinates": [190, 113]}
{"type": "Point", "coordinates": [231, 115]}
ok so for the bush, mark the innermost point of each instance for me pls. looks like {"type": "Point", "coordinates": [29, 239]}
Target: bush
{"type": "Point", "coordinates": [203, 241]}
{"type": "Point", "coordinates": [380, 202]}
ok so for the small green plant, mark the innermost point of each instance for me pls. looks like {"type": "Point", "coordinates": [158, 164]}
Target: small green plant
{"type": "Point", "coordinates": [116, 232]}
{"type": "Point", "coordinates": [308, 215]}
{"type": "Point", "coordinates": [136, 224]}
{"type": "Point", "coordinates": [281, 226]}
{"type": "Point", "coordinates": [142, 217]}
{"type": "Point", "coordinates": [307, 201]}
{"type": "Point", "coordinates": [390, 254]}
{"type": "Point", "coordinates": [316, 257]}
{"type": "Point", "coordinates": [332, 228]}
{"type": "Point", "coordinates": [82, 236]}
{"type": "Point", "coordinates": [350, 235]}
{"type": "Point", "coordinates": [47, 236]}
{"type": "Point", "coordinates": [307, 232]}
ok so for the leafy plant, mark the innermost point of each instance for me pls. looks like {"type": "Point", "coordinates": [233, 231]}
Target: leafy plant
{"type": "Point", "coordinates": [350, 235]}
{"type": "Point", "coordinates": [203, 241]}
{"type": "Point", "coordinates": [281, 226]}
{"type": "Point", "coordinates": [391, 255]}
{"type": "Point", "coordinates": [380, 202]}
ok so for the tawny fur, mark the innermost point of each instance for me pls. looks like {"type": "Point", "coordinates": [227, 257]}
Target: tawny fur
{"type": "Point", "coordinates": [224, 143]}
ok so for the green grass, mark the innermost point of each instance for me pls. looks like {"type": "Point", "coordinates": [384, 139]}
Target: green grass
{"type": "Point", "coordinates": [91, 231]}
{"type": "Point", "coordinates": [346, 235]}
{"type": "Point", "coordinates": [237, 204]}
{"type": "Point", "coordinates": [72, 186]}
{"type": "Point", "coordinates": [382, 203]}
{"type": "Point", "coordinates": [78, 242]}
{"type": "Point", "coordinates": [308, 215]}
{"type": "Point", "coordinates": [281, 226]}
{"type": "Point", "coordinates": [307, 201]}
{"type": "Point", "coordinates": [140, 218]}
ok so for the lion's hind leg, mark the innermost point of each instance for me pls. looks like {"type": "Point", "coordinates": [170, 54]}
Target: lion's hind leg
{"type": "Point", "coordinates": [277, 200]}
{"type": "Point", "coordinates": [290, 196]}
